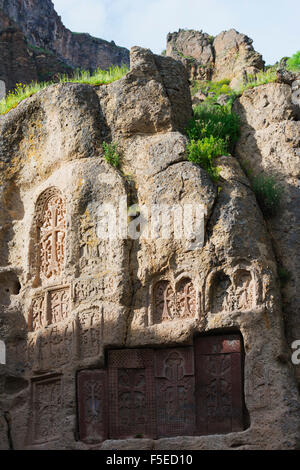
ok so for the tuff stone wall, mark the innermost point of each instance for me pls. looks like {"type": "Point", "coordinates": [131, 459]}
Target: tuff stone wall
{"type": "Point", "coordinates": [68, 297]}
{"type": "Point", "coordinates": [270, 143]}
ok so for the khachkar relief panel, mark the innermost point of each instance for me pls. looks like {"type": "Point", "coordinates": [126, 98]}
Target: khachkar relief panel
{"type": "Point", "coordinates": [92, 405]}
{"type": "Point", "coordinates": [218, 364]}
{"type": "Point", "coordinates": [131, 385]}
{"type": "Point", "coordinates": [174, 301]}
{"type": "Point", "coordinates": [85, 289]}
{"type": "Point", "coordinates": [184, 391]}
{"type": "Point", "coordinates": [175, 387]}
{"type": "Point", "coordinates": [90, 330]}
{"type": "Point", "coordinates": [227, 292]}
{"type": "Point", "coordinates": [55, 347]}
{"type": "Point", "coordinates": [49, 307]}
{"type": "Point", "coordinates": [47, 407]}
{"type": "Point", "coordinates": [50, 221]}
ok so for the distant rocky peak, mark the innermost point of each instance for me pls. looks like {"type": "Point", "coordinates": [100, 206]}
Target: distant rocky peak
{"type": "Point", "coordinates": [228, 55]}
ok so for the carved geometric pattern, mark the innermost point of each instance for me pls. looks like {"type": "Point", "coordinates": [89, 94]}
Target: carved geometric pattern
{"type": "Point", "coordinates": [51, 224]}
{"type": "Point", "coordinates": [175, 387]}
{"type": "Point", "coordinates": [38, 313]}
{"type": "Point", "coordinates": [47, 405]}
{"type": "Point", "coordinates": [163, 393]}
{"type": "Point", "coordinates": [219, 384]}
{"type": "Point", "coordinates": [59, 304]}
{"type": "Point", "coordinates": [92, 405]}
{"type": "Point", "coordinates": [169, 305]}
{"type": "Point", "coordinates": [90, 330]}
{"type": "Point", "coordinates": [55, 346]}
{"type": "Point", "coordinates": [50, 307]}
{"type": "Point", "coordinates": [131, 386]}
{"type": "Point", "coordinates": [185, 299]}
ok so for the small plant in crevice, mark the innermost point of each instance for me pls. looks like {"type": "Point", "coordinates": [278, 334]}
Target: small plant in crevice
{"type": "Point", "coordinates": [111, 154]}
{"type": "Point", "coordinates": [205, 151]}
{"type": "Point", "coordinates": [268, 193]}
{"type": "Point", "coordinates": [212, 133]}
{"type": "Point", "coordinates": [284, 275]}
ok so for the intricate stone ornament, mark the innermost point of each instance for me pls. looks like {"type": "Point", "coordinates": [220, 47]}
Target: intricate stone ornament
{"type": "Point", "coordinates": [51, 227]}
{"type": "Point", "coordinates": [47, 405]}
{"type": "Point", "coordinates": [169, 304]}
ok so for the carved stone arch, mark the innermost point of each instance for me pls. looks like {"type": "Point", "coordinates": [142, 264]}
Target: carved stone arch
{"type": "Point", "coordinates": [186, 297]}
{"type": "Point", "coordinates": [50, 234]}
{"type": "Point", "coordinates": [163, 301]}
{"type": "Point", "coordinates": [246, 288]}
{"type": "Point", "coordinates": [218, 292]}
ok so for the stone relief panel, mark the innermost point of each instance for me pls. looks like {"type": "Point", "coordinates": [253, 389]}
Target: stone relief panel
{"type": "Point", "coordinates": [90, 329]}
{"type": "Point", "coordinates": [219, 384]}
{"type": "Point", "coordinates": [38, 313]}
{"type": "Point", "coordinates": [87, 289]}
{"type": "Point", "coordinates": [186, 300]}
{"type": "Point", "coordinates": [175, 392]}
{"type": "Point", "coordinates": [50, 307]}
{"type": "Point", "coordinates": [173, 302]}
{"type": "Point", "coordinates": [55, 346]}
{"type": "Point", "coordinates": [229, 292]}
{"type": "Point", "coordinates": [50, 219]}
{"type": "Point", "coordinates": [183, 391]}
{"type": "Point", "coordinates": [92, 406]}
{"type": "Point", "coordinates": [244, 290]}
{"type": "Point", "coordinates": [47, 405]}
{"type": "Point", "coordinates": [59, 305]}
{"type": "Point", "coordinates": [164, 306]}
{"type": "Point", "coordinates": [131, 385]}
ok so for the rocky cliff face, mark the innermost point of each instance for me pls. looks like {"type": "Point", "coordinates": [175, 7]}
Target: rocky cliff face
{"type": "Point", "coordinates": [228, 55]}
{"type": "Point", "coordinates": [35, 23]}
{"type": "Point", "coordinates": [91, 321]}
{"type": "Point", "coordinates": [20, 62]}
{"type": "Point", "coordinates": [270, 143]}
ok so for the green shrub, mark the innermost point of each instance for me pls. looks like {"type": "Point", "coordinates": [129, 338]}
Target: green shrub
{"type": "Point", "coordinates": [268, 194]}
{"type": "Point", "coordinates": [293, 62]}
{"type": "Point", "coordinates": [99, 77]}
{"type": "Point", "coordinates": [110, 154]}
{"type": "Point", "coordinates": [204, 151]}
{"type": "Point", "coordinates": [217, 121]}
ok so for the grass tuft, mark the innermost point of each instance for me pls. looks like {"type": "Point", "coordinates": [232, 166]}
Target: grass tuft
{"type": "Point", "coordinates": [99, 77]}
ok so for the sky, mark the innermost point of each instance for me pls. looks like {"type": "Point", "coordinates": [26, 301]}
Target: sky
{"type": "Point", "coordinates": [274, 25]}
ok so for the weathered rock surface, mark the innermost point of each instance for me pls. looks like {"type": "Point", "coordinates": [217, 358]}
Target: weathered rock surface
{"type": "Point", "coordinates": [27, 26]}
{"type": "Point", "coordinates": [229, 55]}
{"type": "Point", "coordinates": [73, 301]}
{"type": "Point", "coordinates": [270, 143]}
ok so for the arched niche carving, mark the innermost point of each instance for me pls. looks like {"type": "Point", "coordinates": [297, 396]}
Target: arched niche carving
{"type": "Point", "coordinates": [237, 290]}
{"type": "Point", "coordinates": [245, 289]}
{"type": "Point", "coordinates": [171, 301]}
{"type": "Point", "coordinates": [50, 224]}
{"type": "Point", "coordinates": [220, 292]}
